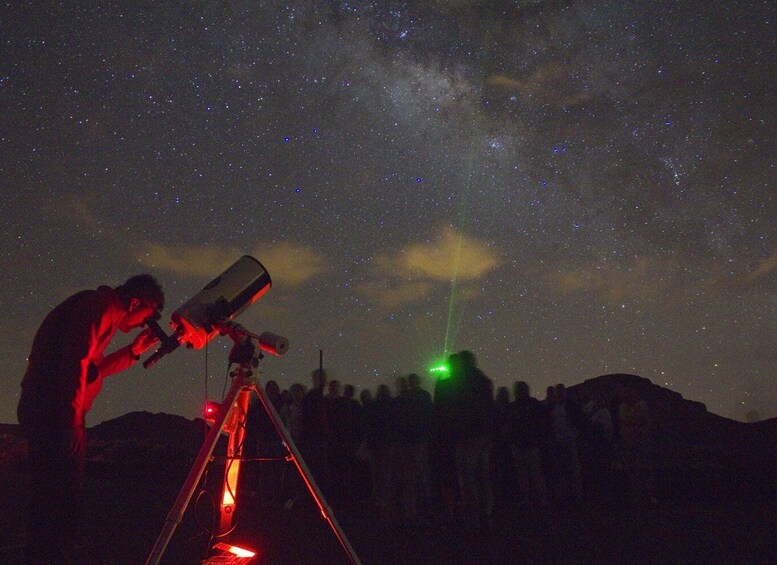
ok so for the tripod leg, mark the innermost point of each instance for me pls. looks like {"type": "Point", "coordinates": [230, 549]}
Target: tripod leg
{"type": "Point", "coordinates": [175, 515]}
{"type": "Point", "coordinates": [234, 457]}
{"type": "Point", "coordinates": [306, 475]}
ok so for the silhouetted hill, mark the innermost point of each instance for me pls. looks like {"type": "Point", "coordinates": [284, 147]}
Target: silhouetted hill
{"type": "Point", "coordinates": [696, 450]}
{"type": "Point", "coordinates": [713, 478]}
{"type": "Point", "coordinates": [145, 443]}
{"type": "Point", "coordinates": [164, 428]}
{"type": "Point", "coordinates": [684, 428]}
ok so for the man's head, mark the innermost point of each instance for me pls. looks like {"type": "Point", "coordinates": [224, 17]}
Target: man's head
{"type": "Point", "coordinates": [297, 392]}
{"type": "Point", "coordinates": [455, 366]}
{"type": "Point", "coordinates": [272, 389]}
{"type": "Point", "coordinates": [521, 390]}
{"type": "Point", "coordinates": [319, 379]}
{"type": "Point", "coordinates": [142, 298]}
{"type": "Point", "coordinates": [468, 360]}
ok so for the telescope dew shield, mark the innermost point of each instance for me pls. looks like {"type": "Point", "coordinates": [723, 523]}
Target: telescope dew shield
{"type": "Point", "coordinates": [224, 298]}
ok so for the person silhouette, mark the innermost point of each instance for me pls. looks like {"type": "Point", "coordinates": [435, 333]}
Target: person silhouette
{"type": "Point", "coordinates": [65, 371]}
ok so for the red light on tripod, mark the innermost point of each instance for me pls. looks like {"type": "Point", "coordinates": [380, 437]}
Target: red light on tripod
{"type": "Point", "coordinates": [211, 410]}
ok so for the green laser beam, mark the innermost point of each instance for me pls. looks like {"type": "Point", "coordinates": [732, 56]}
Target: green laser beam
{"type": "Point", "coordinates": [463, 208]}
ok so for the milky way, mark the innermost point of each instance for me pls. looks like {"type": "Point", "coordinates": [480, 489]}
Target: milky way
{"type": "Point", "coordinates": [567, 189]}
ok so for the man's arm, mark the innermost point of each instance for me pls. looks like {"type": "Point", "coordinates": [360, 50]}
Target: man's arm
{"type": "Point", "coordinates": [128, 355]}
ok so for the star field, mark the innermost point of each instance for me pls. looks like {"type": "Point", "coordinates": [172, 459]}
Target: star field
{"type": "Point", "coordinates": [566, 188]}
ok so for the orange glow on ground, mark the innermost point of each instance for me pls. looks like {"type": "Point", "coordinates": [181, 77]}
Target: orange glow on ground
{"type": "Point", "coordinates": [234, 550]}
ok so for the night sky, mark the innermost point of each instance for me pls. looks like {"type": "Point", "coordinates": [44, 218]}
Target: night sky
{"type": "Point", "coordinates": [566, 188]}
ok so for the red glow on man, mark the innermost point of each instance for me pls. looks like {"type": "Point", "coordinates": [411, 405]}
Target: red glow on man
{"type": "Point", "coordinates": [64, 374]}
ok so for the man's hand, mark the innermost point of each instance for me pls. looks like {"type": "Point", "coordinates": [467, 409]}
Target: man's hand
{"type": "Point", "coordinates": [144, 341]}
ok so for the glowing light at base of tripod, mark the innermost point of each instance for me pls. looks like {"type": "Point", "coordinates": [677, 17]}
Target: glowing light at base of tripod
{"type": "Point", "coordinates": [234, 550]}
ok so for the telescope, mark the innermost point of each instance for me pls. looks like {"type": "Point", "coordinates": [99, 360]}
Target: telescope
{"type": "Point", "coordinates": [212, 311]}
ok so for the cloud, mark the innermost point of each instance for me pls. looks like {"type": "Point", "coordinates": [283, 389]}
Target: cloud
{"type": "Point", "coordinates": [764, 267]}
{"type": "Point", "coordinates": [77, 211]}
{"type": "Point", "coordinates": [551, 82]}
{"type": "Point", "coordinates": [287, 262]}
{"type": "Point", "coordinates": [407, 276]}
{"type": "Point", "coordinates": [645, 277]}
{"type": "Point", "coordinates": [416, 272]}
{"type": "Point", "coordinates": [187, 261]}
{"type": "Point", "coordinates": [395, 296]}
{"type": "Point", "coordinates": [505, 82]}
{"type": "Point", "coordinates": [292, 263]}
{"type": "Point", "coordinates": [451, 255]}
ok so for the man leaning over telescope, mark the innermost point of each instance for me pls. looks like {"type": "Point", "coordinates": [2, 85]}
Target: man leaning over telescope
{"type": "Point", "coordinates": [64, 374]}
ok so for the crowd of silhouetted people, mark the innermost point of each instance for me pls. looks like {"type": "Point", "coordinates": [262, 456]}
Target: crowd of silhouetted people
{"type": "Point", "coordinates": [456, 454]}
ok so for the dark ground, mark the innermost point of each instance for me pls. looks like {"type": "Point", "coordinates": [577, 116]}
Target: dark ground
{"type": "Point", "coordinates": [699, 518]}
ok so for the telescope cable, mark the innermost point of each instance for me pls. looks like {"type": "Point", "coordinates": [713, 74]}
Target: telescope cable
{"type": "Point", "coordinates": [206, 374]}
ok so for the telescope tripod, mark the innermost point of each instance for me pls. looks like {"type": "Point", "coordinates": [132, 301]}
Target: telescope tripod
{"type": "Point", "coordinates": [231, 420]}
